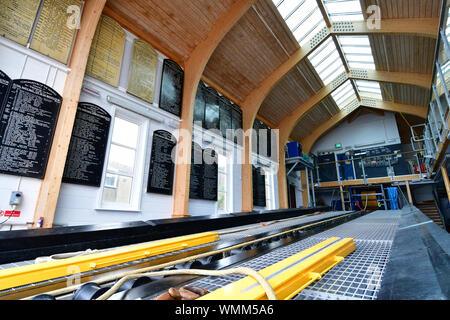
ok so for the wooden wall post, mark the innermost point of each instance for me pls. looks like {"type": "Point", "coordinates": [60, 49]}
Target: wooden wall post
{"type": "Point", "coordinates": [193, 69]}
{"type": "Point", "coordinates": [304, 184]}
{"type": "Point", "coordinates": [446, 181]}
{"type": "Point", "coordinates": [341, 189]}
{"type": "Point", "coordinates": [50, 186]}
{"type": "Point", "coordinates": [408, 190]}
{"type": "Point", "coordinates": [246, 167]}
{"type": "Point", "coordinates": [282, 178]}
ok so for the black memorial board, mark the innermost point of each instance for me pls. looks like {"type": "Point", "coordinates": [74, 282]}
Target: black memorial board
{"type": "Point", "coordinates": [236, 122]}
{"type": "Point", "coordinates": [259, 187]}
{"type": "Point", "coordinates": [5, 85]}
{"type": "Point", "coordinates": [197, 172]}
{"type": "Point", "coordinates": [212, 112]}
{"type": "Point", "coordinates": [225, 115]}
{"type": "Point", "coordinates": [210, 174]}
{"type": "Point", "coordinates": [161, 165]}
{"type": "Point", "coordinates": [199, 106]}
{"type": "Point", "coordinates": [27, 125]}
{"type": "Point", "coordinates": [236, 118]}
{"type": "Point", "coordinates": [171, 87]}
{"type": "Point", "coordinates": [87, 149]}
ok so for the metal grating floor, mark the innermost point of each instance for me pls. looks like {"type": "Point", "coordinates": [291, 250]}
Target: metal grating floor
{"type": "Point", "coordinates": [357, 277]}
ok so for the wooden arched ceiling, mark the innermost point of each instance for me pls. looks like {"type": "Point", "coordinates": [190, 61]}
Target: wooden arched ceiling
{"type": "Point", "coordinates": [406, 94]}
{"type": "Point", "coordinates": [296, 87]}
{"type": "Point", "coordinates": [172, 27]}
{"type": "Point", "coordinates": [392, 53]}
{"type": "Point", "coordinates": [261, 41]}
{"type": "Point", "coordinates": [321, 113]}
{"type": "Point", "coordinates": [403, 53]}
{"type": "Point", "coordinates": [252, 49]}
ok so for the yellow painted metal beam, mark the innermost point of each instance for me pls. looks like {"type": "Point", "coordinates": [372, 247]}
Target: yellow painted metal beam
{"type": "Point", "coordinates": [24, 275]}
{"type": "Point", "coordinates": [290, 276]}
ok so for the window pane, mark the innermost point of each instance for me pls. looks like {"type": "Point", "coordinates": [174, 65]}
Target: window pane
{"type": "Point", "coordinates": [303, 18]}
{"type": "Point", "coordinates": [221, 201]}
{"type": "Point", "coordinates": [121, 194]}
{"type": "Point", "coordinates": [121, 160]}
{"type": "Point", "coordinates": [342, 10]}
{"type": "Point", "coordinates": [125, 133]}
{"type": "Point", "coordinates": [111, 180]}
{"type": "Point", "coordinates": [222, 183]}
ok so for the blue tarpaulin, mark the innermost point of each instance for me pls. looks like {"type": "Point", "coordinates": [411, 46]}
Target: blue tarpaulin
{"type": "Point", "coordinates": [393, 196]}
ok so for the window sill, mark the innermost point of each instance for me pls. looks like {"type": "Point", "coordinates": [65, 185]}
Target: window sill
{"type": "Point", "coordinates": [117, 209]}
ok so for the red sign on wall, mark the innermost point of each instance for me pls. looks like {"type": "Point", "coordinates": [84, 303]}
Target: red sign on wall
{"type": "Point", "coordinates": [12, 214]}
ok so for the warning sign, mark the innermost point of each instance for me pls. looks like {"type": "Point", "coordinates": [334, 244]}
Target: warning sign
{"type": "Point", "coordinates": [12, 214]}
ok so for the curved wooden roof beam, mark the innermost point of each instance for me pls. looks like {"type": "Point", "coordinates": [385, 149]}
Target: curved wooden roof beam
{"type": "Point", "coordinates": [193, 70]}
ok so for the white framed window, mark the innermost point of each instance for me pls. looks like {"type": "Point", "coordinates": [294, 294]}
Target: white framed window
{"type": "Point", "coordinates": [123, 173]}
{"type": "Point", "coordinates": [223, 185]}
{"type": "Point", "coordinates": [270, 189]}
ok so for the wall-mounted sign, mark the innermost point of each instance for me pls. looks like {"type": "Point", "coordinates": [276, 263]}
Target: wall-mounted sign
{"type": "Point", "coordinates": [259, 187]}
{"type": "Point", "coordinates": [17, 18]}
{"type": "Point", "coordinates": [105, 57]}
{"type": "Point", "coordinates": [197, 172]}
{"type": "Point", "coordinates": [54, 35]}
{"type": "Point", "coordinates": [28, 119]}
{"type": "Point", "coordinates": [204, 174]}
{"type": "Point", "coordinates": [87, 149]}
{"type": "Point", "coordinates": [142, 76]}
{"type": "Point", "coordinates": [210, 174]}
{"type": "Point", "coordinates": [338, 145]}
{"type": "Point", "coordinates": [171, 87]}
{"type": "Point", "coordinates": [161, 165]}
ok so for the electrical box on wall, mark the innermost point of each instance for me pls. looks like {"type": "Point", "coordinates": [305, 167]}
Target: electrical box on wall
{"type": "Point", "coordinates": [16, 198]}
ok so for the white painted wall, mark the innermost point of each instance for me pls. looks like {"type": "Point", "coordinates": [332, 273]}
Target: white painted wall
{"type": "Point", "coordinates": [369, 130]}
{"type": "Point", "coordinates": [18, 62]}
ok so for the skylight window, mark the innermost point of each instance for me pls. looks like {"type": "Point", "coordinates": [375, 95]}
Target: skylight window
{"type": "Point", "coordinates": [372, 88]}
{"type": "Point", "coordinates": [303, 18]}
{"type": "Point", "coordinates": [343, 94]}
{"type": "Point", "coordinates": [327, 62]}
{"type": "Point", "coordinates": [357, 51]}
{"type": "Point", "coordinates": [447, 29]}
{"type": "Point", "coordinates": [344, 10]}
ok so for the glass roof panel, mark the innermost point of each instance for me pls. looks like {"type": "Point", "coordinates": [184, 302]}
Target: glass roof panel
{"type": "Point", "coordinates": [343, 94]}
{"type": "Point", "coordinates": [303, 18]}
{"type": "Point", "coordinates": [371, 87]}
{"type": "Point", "coordinates": [327, 62]}
{"type": "Point", "coordinates": [357, 51]}
{"type": "Point", "coordinates": [344, 10]}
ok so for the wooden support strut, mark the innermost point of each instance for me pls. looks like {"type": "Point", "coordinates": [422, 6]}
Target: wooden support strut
{"type": "Point", "coordinates": [408, 190]}
{"type": "Point", "coordinates": [51, 184]}
{"type": "Point", "coordinates": [446, 181]}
